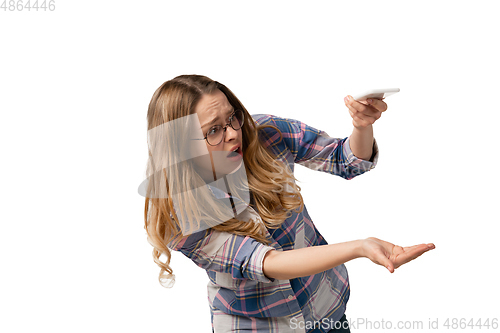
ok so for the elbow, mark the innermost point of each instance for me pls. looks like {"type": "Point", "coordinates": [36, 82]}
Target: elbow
{"type": "Point", "coordinates": [271, 264]}
{"type": "Point", "coordinates": [268, 264]}
{"type": "Point", "coordinates": [351, 173]}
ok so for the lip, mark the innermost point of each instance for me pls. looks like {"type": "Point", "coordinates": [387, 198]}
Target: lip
{"type": "Point", "coordinates": [234, 148]}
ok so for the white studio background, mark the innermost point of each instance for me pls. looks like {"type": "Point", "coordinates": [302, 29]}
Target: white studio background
{"type": "Point", "coordinates": [75, 84]}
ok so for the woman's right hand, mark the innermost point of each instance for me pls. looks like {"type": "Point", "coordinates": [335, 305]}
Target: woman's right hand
{"type": "Point", "coordinates": [389, 255]}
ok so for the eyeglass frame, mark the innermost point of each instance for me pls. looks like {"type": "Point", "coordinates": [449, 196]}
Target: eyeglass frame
{"type": "Point", "coordinates": [224, 128]}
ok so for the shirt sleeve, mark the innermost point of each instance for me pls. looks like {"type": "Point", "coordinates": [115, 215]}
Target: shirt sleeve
{"type": "Point", "coordinates": [316, 150]}
{"type": "Point", "coordinates": [212, 250]}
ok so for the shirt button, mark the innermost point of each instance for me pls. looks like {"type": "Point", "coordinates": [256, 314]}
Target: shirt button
{"type": "Point", "coordinates": [290, 297]}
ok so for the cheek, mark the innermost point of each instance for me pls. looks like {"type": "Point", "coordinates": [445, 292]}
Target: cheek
{"type": "Point", "coordinates": [241, 140]}
{"type": "Point", "coordinates": [199, 154]}
{"type": "Point", "coordinates": [198, 148]}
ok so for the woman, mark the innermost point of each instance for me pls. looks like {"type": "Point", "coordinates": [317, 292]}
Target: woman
{"type": "Point", "coordinates": [221, 190]}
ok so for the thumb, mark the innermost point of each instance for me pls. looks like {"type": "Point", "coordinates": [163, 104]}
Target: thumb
{"type": "Point", "coordinates": [384, 261]}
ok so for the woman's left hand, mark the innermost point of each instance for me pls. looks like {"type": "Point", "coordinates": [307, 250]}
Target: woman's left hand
{"type": "Point", "coordinates": [365, 113]}
{"type": "Point", "coordinates": [392, 256]}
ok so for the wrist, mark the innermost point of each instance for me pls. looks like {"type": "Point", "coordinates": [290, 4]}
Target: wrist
{"type": "Point", "coordinates": [359, 250]}
{"type": "Point", "coordinates": [367, 128]}
{"type": "Point", "coordinates": [361, 142]}
{"type": "Point", "coordinates": [363, 133]}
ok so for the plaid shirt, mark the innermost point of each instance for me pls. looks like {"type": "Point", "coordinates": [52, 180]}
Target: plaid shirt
{"type": "Point", "coordinates": [240, 296]}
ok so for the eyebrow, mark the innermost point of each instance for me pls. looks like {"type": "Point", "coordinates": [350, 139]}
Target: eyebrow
{"type": "Point", "coordinates": [213, 121]}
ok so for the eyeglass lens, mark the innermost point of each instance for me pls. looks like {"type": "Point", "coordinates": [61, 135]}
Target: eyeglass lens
{"type": "Point", "coordinates": [216, 133]}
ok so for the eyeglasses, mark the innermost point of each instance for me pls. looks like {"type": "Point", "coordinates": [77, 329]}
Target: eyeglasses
{"type": "Point", "coordinates": [215, 134]}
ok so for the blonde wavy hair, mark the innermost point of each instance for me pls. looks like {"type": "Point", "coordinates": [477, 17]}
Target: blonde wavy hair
{"type": "Point", "coordinates": [270, 181]}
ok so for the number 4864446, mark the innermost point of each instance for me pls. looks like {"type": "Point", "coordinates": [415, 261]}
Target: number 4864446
{"type": "Point", "coordinates": [463, 323]}
{"type": "Point", "coordinates": [20, 5]}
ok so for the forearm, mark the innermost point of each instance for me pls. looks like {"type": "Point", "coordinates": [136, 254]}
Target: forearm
{"type": "Point", "coordinates": [285, 265]}
{"type": "Point", "coordinates": [361, 142]}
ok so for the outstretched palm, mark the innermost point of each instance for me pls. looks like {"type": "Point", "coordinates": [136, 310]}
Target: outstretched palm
{"type": "Point", "coordinates": [392, 256]}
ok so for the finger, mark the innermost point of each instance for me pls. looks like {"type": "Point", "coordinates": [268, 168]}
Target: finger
{"type": "Point", "coordinates": [408, 248]}
{"type": "Point", "coordinates": [370, 119]}
{"type": "Point", "coordinates": [365, 109]}
{"type": "Point", "coordinates": [390, 267]}
{"type": "Point", "coordinates": [361, 121]}
{"type": "Point", "coordinates": [384, 261]}
{"type": "Point", "coordinates": [412, 253]}
{"type": "Point", "coordinates": [378, 104]}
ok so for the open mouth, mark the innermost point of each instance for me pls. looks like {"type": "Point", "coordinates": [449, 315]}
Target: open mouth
{"type": "Point", "coordinates": [235, 153]}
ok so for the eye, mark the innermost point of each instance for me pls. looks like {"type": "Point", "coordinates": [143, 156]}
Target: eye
{"type": "Point", "coordinates": [213, 130]}
{"type": "Point", "coordinates": [237, 117]}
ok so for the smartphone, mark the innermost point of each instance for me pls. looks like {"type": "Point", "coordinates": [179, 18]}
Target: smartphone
{"type": "Point", "coordinates": [375, 93]}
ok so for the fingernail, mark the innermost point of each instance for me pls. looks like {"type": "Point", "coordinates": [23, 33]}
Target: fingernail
{"type": "Point", "coordinates": [346, 99]}
{"type": "Point", "coordinates": [369, 100]}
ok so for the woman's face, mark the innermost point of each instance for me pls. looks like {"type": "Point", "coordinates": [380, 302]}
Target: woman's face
{"type": "Point", "coordinates": [214, 109]}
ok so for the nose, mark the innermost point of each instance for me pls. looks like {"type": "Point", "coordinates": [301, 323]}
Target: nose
{"type": "Point", "coordinates": [230, 134]}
